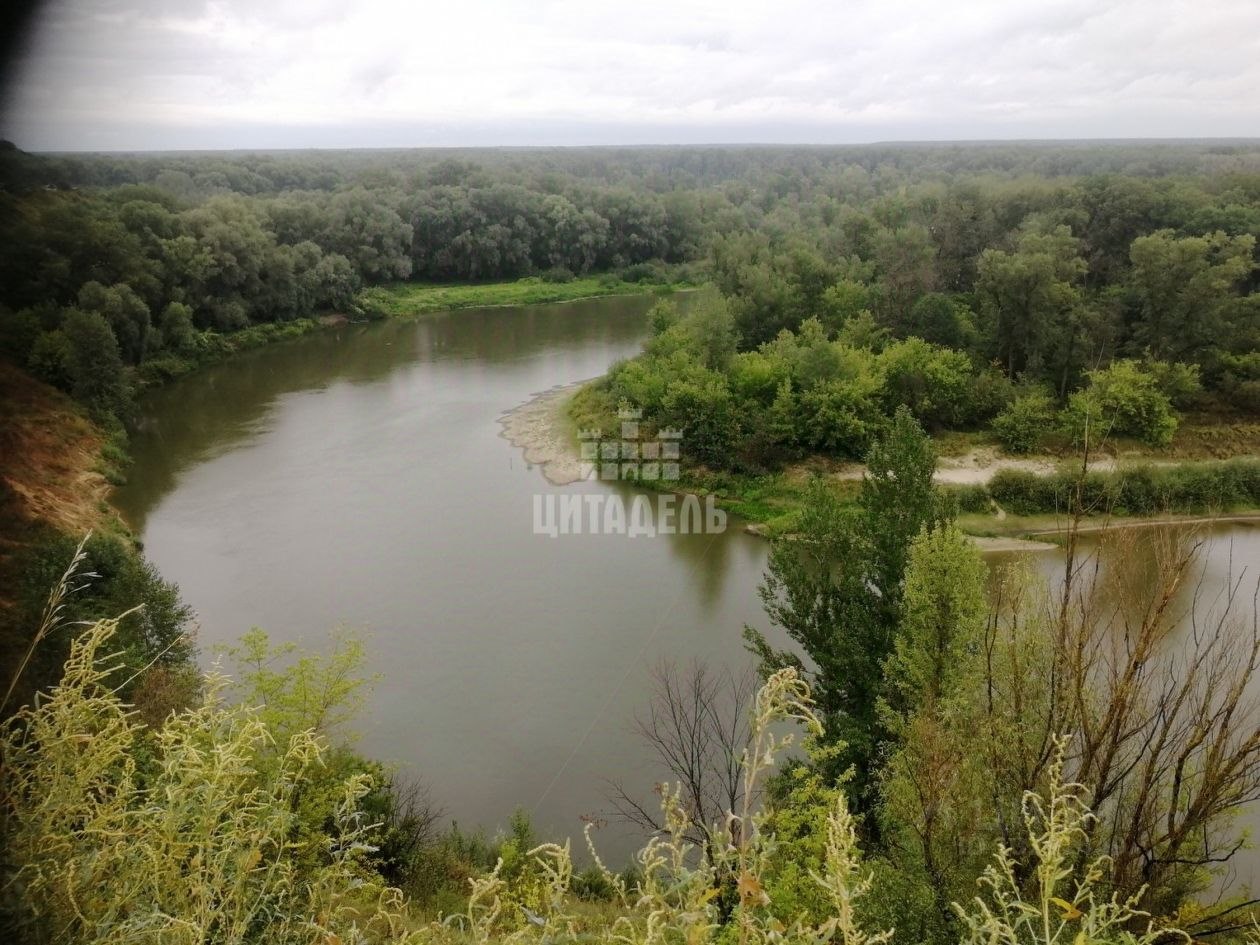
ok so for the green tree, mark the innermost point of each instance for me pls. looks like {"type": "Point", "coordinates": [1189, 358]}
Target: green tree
{"type": "Point", "coordinates": [710, 328]}
{"type": "Point", "coordinates": [941, 320]}
{"type": "Point", "coordinates": [176, 327]}
{"type": "Point", "coordinates": [1187, 290]}
{"type": "Point", "coordinates": [842, 301]}
{"type": "Point", "coordinates": [934, 817]}
{"type": "Point", "coordinates": [1123, 399]}
{"type": "Point", "coordinates": [93, 365]}
{"type": "Point", "coordinates": [126, 313]}
{"type": "Point", "coordinates": [49, 359]}
{"type": "Point", "coordinates": [933, 383]}
{"type": "Point", "coordinates": [943, 615]}
{"type": "Point", "coordinates": [906, 259]}
{"type": "Point", "coordinates": [897, 501]}
{"type": "Point", "coordinates": [1028, 293]}
{"type": "Point", "coordinates": [835, 588]}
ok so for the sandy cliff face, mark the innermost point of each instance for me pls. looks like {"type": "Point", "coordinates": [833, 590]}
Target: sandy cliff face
{"type": "Point", "coordinates": [49, 461]}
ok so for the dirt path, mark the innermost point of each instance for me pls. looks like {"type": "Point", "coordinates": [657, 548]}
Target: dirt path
{"type": "Point", "coordinates": [977, 466]}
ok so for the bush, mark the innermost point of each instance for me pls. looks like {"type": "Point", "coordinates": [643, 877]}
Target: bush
{"type": "Point", "coordinates": [165, 368]}
{"type": "Point", "coordinates": [1124, 399]}
{"type": "Point", "coordinates": [971, 499]}
{"type": "Point", "coordinates": [114, 833]}
{"type": "Point", "coordinates": [373, 303]}
{"type": "Point", "coordinates": [117, 833]}
{"type": "Point", "coordinates": [653, 271]}
{"type": "Point", "coordinates": [558, 274]}
{"type": "Point", "coordinates": [112, 578]}
{"type": "Point", "coordinates": [1025, 493]}
{"type": "Point", "coordinates": [1022, 423]}
{"type": "Point", "coordinates": [1141, 490]}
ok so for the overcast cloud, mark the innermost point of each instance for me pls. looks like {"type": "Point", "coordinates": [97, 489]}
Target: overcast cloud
{"type": "Point", "coordinates": [120, 74]}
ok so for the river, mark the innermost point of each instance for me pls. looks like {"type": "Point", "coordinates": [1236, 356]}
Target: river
{"type": "Point", "coordinates": [357, 478]}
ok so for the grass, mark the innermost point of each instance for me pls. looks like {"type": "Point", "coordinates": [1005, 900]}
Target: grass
{"type": "Point", "coordinates": [411, 298]}
{"type": "Point", "coordinates": [1213, 436]}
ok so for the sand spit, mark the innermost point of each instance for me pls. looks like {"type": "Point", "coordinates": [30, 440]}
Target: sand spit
{"type": "Point", "coordinates": [539, 428]}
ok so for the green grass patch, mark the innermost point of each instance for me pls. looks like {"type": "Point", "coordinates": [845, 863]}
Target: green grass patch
{"type": "Point", "coordinates": [411, 298]}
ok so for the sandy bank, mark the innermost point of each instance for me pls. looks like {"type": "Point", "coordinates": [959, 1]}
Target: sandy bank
{"type": "Point", "coordinates": [540, 429]}
{"type": "Point", "coordinates": [977, 466]}
{"type": "Point", "coordinates": [1118, 523]}
{"type": "Point", "coordinates": [987, 544]}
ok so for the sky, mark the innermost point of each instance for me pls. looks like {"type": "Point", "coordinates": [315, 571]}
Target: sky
{"type": "Point", "coordinates": [171, 74]}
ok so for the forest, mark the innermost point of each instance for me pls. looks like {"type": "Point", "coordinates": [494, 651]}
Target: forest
{"type": "Point", "coordinates": [968, 282]}
{"type": "Point", "coordinates": [939, 755]}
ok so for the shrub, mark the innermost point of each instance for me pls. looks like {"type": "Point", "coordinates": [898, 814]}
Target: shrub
{"type": "Point", "coordinates": [115, 833]}
{"type": "Point", "coordinates": [164, 368]}
{"type": "Point", "coordinates": [1025, 493]}
{"type": "Point", "coordinates": [1055, 899]}
{"type": "Point", "coordinates": [969, 499]}
{"type": "Point", "coordinates": [373, 303]}
{"type": "Point", "coordinates": [652, 271]}
{"type": "Point", "coordinates": [1179, 382]}
{"type": "Point", "coordinates": [558, 274]}
{"type": "Point", "coordinates": [1140, 490]}
{"type": "Point", "coordinates": [1124, 399]}
{"type": "Point", "coordinates": [118, 833]}
{"type": "Point", "coordinates": [109, 578]}
{"type": "Point", "coordinates": [1022, 423]}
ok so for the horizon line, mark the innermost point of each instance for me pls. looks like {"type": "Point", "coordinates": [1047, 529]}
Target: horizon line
{"type": "Point", "coordinates": [889, 142]}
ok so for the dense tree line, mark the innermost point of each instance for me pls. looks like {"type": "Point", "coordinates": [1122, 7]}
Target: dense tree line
{"type": "Point", "coordinates": [1031, 304]}
{"type": "Point", "coordinates": [129, 264]}
{"type": "Point", "coordinates": [1045, 260]}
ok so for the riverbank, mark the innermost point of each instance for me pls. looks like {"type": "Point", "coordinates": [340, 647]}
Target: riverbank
{"type": "Point", "coordinates": [1019, 498]}
{"type": "Point", "coordinates": [54, 469]}
{"type": "Point", "coordinates": [540, 429]}
{"type": "Point", "coordinates": [399, 300]}
{"type": "Point", "coordinates": [404, 299]}
{"type": "Point", "coordinates": [55, 473]}
{"type": "Point", "coordinates": [544, 428]}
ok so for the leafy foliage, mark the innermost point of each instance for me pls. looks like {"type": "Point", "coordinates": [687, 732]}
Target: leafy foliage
{"type": "Point", "coordinates": [835, 588]}
{"type": "Point", "coordinates": [1123, 399]}
{"type": "Point", "coordinates": [122, 834]}
{"type": "Point", "coordinates": [1024, 421]}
